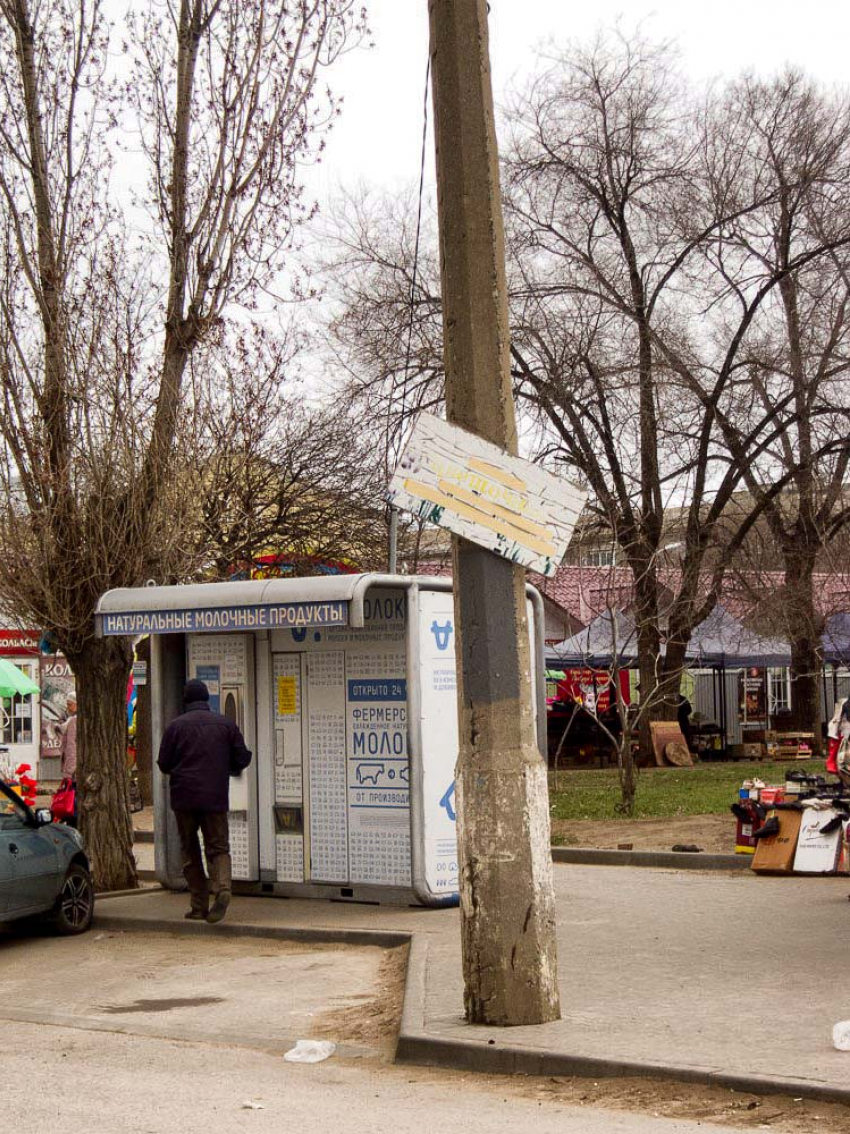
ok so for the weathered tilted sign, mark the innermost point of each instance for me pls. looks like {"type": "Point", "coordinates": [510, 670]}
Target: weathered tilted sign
{"type": "Point", "coordinates": [460, 482]}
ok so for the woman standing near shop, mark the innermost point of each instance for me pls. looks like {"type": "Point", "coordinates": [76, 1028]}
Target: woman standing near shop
{"type": "Point", "coordinates": [64, 804]}
{"type": "Point", "coordinates": [68, 744]}
{"type": "Point", "coordinates": [68, 751]}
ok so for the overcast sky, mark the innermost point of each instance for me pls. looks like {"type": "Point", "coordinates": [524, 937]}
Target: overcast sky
{"type": "Point", "coordinates": [378, 138]}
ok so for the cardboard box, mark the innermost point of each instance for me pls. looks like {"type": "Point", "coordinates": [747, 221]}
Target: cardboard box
{"type": "Point", "coordinates": [775, 854]}
{"type": "Point", "coordinates": [664, 733]}
{"type": "Point", "coordinates": [750, 750]}
{"type": "Point", "coordinates": [770, 795]}
{"type": "Point", "coordinates": [817, 853]}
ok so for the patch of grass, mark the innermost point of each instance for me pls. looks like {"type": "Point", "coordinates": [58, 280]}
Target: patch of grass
{"type": "Point", "coordinates": [564, 840]}
{"type": "Point", "coordinates": [702, 790]}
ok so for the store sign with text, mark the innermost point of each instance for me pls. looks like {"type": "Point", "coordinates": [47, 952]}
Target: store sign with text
{"type": "Point", "coordinates": [291, 615]}
{"type": "Point", "coordinates": [753, 695]}
{"type": "Point", "coordinates": [15, 642]}
{"type": "Point", "coordinates": [592, 689]}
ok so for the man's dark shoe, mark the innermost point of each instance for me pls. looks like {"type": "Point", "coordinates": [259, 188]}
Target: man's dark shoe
{"type": "Point", "coordinates": [219, 908]}
{"type": "Point", "coordinates": [771, 827]}
{"type": "Point", "coordinates": [196, 915]}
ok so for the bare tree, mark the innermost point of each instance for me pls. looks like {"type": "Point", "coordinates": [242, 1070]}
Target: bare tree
{"type": "Point", "coordinates": [625, 194]}
{"type": "Point", "coordinates": [611, 199]}
{"type": "Point", "coordinates": [794, 360]}
{"type": "Point", "coordinates": [273, 478]}
{"type": "Point", "coordinates": [639, 318]}
{"type": "Point", "coordinates": [92, 364]}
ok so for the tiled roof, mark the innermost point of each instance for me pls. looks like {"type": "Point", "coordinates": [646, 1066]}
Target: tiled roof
{"type": "Point", "coordinates": [584, 592]}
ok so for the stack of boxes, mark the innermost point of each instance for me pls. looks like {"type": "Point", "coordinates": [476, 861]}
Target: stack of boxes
{"type": "Point", "coordinates": [751, 793]}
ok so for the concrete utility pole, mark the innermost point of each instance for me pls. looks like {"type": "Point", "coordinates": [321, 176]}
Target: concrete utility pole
{"type": "Point", "coordinates": [507, 894]}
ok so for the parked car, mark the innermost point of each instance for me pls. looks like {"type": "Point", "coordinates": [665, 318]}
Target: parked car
{"type": "Point", "coordinates": [43, 868]}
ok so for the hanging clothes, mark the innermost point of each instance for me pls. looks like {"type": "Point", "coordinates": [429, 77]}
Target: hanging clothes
{"type": "Point", "coordinates": [837, 730]}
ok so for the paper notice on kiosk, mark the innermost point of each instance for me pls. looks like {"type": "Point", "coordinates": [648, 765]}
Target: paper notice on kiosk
{"type": "Point", "coordinates": [287, 696]}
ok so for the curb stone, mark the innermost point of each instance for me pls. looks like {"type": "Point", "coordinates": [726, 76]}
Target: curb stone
{"type": "Point", "coordinates": [661, 860]}
{"type": "Point", "coordinates": [385, 939]}
{"type": "Point", "coordinates": [103, 895]}
{"type": "Point", "coordinates": [590, 856]}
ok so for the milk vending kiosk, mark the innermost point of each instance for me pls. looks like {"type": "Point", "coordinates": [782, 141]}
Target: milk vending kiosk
{"type": "Point", "coordinates": [344, 688]}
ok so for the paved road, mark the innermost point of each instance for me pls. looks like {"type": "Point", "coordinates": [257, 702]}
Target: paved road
{"type": "Point", "coordinates": [715, 973]}
{"type": "Point", "coordinates": [94, 1083]}
{"type": "Point", "coordinates": [146, 1033]}
{"type": "Point", "coordinates": [254, 993]}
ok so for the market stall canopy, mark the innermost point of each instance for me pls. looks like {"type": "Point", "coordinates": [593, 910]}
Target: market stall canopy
{"type": "Point", "coordinates": [14, 680]}
{"type": "Point", "coordinates": [723, 639]}
{"type": "Point", "coordinates": [611, 632]}
{"type": "Point", "coordinates": [836, 639]}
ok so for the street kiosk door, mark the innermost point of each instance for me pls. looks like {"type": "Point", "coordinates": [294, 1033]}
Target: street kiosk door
{"type": "Point", "coordinates": [225, 663]}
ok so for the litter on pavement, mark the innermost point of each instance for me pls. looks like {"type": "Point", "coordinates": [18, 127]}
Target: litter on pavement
{"type": "Point", "coordinates": [310, 1051]}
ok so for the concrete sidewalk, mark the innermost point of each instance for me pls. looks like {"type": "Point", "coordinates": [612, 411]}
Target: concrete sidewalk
{"type": "Point", "coordinates": [708, 977]}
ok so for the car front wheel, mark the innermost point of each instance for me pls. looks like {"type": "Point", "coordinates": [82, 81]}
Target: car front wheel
{"type": "Point", "coordinates": [75, 905]}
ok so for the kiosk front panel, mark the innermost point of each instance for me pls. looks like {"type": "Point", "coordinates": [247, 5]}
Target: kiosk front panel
{"type": "Point", "coordinates": [341, 771]}
{"type": "Point", "coordinates": [224, 662]}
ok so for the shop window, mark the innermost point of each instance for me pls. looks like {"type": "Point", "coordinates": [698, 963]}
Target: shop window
{"type": "Point", "coordinates": [779, 690]}
{"type": "Point", "coordinates": [16, 712]}
{"type": "Point", "coordinates": [600, 557]}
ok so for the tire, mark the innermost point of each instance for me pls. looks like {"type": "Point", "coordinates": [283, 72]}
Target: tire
{"type": "Point", "coordinates": [74, 908]}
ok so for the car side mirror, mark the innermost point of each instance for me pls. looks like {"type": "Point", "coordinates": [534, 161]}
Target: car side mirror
{"type": "Point", "coordinates": [43, 817]}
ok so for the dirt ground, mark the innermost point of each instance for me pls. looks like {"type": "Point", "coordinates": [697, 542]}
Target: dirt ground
{"type": "Point", "coordinates": [375, 1022]}
{"type": "Point", "coordinates": [713, 834]}
{"type": "Point", "coordinates": [689, 1101]}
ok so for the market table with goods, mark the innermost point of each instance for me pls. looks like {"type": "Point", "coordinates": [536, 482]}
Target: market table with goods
{"type": "Point", "coordinates": [796, 827]}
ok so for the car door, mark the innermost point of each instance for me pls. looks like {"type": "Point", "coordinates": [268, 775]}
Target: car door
{"type": "Point", "coordinates": [29, 860]}
{"type": "Point", "coordinates": [12, 825]}
{"type": "Point", "coordinates": [7, 863]}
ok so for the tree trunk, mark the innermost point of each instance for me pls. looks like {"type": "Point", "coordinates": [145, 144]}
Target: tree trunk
{"type": "Point", "coordinates": [649, 651]}
{"type": "Point", "coordinates": [805, 688]}
{"type": "Point", "coordinates": [804, 627]}
{"type": "Point", "coordinates": [627, 772]}
{"type": "Point", "coordinates": [671, 680]}
{"type": "Point", "coordinates": [103, 788]}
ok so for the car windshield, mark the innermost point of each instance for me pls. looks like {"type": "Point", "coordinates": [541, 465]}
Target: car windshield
{"type": "Point", "coordinates": [13, 812]}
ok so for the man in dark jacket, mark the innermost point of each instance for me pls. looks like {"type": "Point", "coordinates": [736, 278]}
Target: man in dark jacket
{"type": "Point", "coordinates": [200, 751]}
